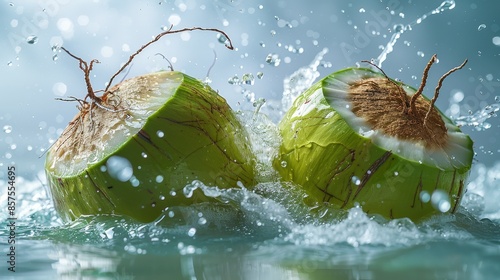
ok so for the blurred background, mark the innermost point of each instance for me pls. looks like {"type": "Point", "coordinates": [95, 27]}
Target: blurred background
{"type": "Point", "coordinates": [272, 40]}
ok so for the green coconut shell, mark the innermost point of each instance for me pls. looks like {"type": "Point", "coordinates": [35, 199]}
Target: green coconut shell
{"type": "Point", "coordinates": [166, 130]}
{"type": "Point", "coordinates": [325, 151]}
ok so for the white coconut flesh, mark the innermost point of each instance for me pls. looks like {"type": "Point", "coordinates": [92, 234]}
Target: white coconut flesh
{"type": "Point", "coordinates": [93, 135]}
{"type": "Point", "coordinates": [445, 147]}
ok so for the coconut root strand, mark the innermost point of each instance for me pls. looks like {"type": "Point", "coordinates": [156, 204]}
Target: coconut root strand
{"type": "Point", "coordinates": [413, 109]}
{"type": "Point", "coordinates": [438, 87]}
{"type": "Point", "coordinates": [158, 37]}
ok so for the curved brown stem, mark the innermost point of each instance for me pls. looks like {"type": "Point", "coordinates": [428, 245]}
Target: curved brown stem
{"type": "Point", "coordinates": [438, 87]}
{"type": "Point", "coordinates": [413, 109]}
{"type": "Point", "coordinates": [158, 37]}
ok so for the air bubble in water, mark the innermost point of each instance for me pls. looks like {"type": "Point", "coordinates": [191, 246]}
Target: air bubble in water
{"type": "Point", "coordinates": [481, 27]}
{"type": "Point", "coordinates": [440, 200]}
{"type": "Point", "coordinates": [119, 168]}
{"type": "Point", "coordinates": [32, 39]}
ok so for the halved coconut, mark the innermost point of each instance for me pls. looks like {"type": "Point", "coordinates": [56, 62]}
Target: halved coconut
{"type": "Point", "coordinates": [151, 136]}
{"type": "Point", "coordinates": [354, 139]}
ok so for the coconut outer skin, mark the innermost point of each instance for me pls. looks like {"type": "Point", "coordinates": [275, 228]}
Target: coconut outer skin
{"type": "Point", "coordinates": [193, 135]}
{"type": "Point", "coordinates": [322, 153]}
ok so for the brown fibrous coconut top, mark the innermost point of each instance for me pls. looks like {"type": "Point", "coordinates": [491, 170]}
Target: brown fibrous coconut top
{"type": "Point", "coordinates": [378, 101]}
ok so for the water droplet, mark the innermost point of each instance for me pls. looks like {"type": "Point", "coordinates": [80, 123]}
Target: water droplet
{"type": "Point", "coordinates": [189, 189]}
{"type": "Point", "coordinates": [235, 80]}
{"type": "Point", "coordinates": [32, 39]}
{"type": "Point", "coordinates": [191, 232]}
{"type": "Point", "coordinates": [398, 28]}
{"type": "Point", "coordinates": [7, 128]}
{"type": "Point", "coordinates": [160, 133]}
{"type": "Point", "coordinates": [420, 53]}
{"type": "Point", "coordinates": [446, 5]}
{"type": "Point", "coordinates": [496, 40]}
{"type": "Point", "coordinates": [440, 200]}
{"type": "Point", "coordinates": [9, 63]}
{"type": "Point", "coordinates": [55, 57]}
{"type": "Point", "coordinates": [222, 39]}
{"type": "Point", "coordinates": [172, 193]}
{"type": "Point", "coordinates": [134, 181]}
{"type": "Point", "coordinates": [283, 164]}
{"type": "Point", "coordinates": [260, 75]}
{"type": "Point", "coordinates": [425, 196]}
{"type": "Point", "coordinates": [144, 155]}
{"type": "Point", "coordinates": [362, 10]}
{"type": "Point", "coordinates": [481, 27]}
{"type": "Point", "coordinates": [159, 179]}
{"type": "Point", "coordinates": [355, 180]}
{"type": "Point", "coordinates": [273, 59]}
{"type": "Point", "coordinates": [202, 221]}
{"type": "Point", "coordinates": [273, 32]}
{"type": "Point", "coordinates": [119, 168]}
{"type": "Point", "coordinates": [248, 79]}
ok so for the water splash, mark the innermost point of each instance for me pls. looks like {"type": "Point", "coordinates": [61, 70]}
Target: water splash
{"type": "Point", "coordinates": [399, 29]}
{"type": "Point", "coordinates": [301, 80]}
{"type": "Point", "coordinates": [478, 119]}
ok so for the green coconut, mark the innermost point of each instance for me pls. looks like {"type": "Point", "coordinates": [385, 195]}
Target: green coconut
{"type": "Point", "coordinates": [359, 138]}
{"type": "Point", "coordinates": [165, 130]}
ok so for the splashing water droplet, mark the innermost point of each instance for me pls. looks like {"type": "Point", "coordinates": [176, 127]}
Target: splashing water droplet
{"type": "Point", "coordinates": [425, 196]}
{"type": "Point", "coordinates": [355, 180]}
{"type": "Point", "coordinates": [399, 29]}
{"type": "Point", "coordinates": [248, 79]}
{"type": "Point", "coordinates": [235, 80]}
{"type": "Point", "coordinates": [273, 59]}
{"type": "Point", "coordinates": [191, 232]}
{"type": "Point", "coordinates": [32, 39]}
{"type": "Point", "coordinates": [159, 179]}
{"type": "Point", "coordinates": [189, 189]}
{"type": "Point", "coordinates": [119, 168]}
{"type": "Point", "coordinates": [301, 80]}
{"type": "Point", "coordinates": [440, 200]}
